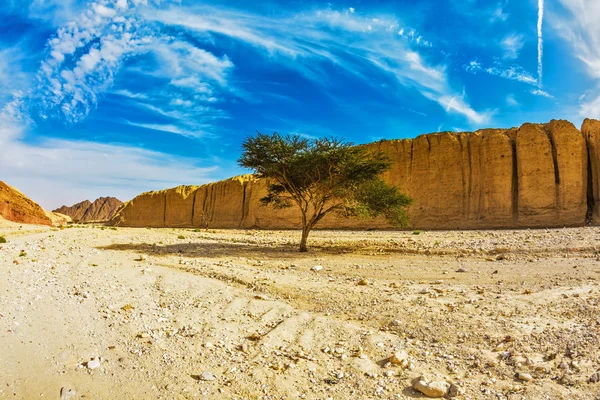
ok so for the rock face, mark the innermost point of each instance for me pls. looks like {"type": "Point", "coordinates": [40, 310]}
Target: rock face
{"type": "Point", "coordinates": [16, 207]}
{"type": "Point", "coordinates": [58, 219]}
{"type": "Point", "coordinates": [102, 209]}
{"type": "Point", "coordinates": [534, 176]}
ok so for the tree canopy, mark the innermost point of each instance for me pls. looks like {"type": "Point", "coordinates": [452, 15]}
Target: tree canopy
{"type": "Point", "coordinates": [321, 176]}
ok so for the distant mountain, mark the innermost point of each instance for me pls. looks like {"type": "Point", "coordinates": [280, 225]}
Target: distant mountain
{"type": "Point", "coordinates": [16, 207]}
{"type": "Point", "coordinates": [102, 209]}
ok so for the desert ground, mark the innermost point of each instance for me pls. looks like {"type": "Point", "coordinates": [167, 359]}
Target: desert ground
{"type": "Point", "coordinates": [116, 313]}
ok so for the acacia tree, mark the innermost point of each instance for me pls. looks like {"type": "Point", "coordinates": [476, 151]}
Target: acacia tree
{"type": "Point", "coordinates": [321, 176]}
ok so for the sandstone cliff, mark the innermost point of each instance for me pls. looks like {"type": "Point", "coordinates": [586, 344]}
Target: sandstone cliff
{"type": "Point", "coordinates": [532, 176]}
{"type": "Point", "coordinates": [102, 209]}
{"type": "Point", "coordinates": [16, 207]}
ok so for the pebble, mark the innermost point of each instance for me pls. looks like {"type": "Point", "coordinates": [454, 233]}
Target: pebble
{"type": "Point", "coordinates": [455, 391]}
{"type": "Point", "coordinates": [363, 282]}
{"type": "Point", "coordinates": [400, 358]}
{"type": "Point", "coordinates": [317, 268]}
{"type": "Point", "coordinates": [93, 363]}
{"type": "Point", "coordinates": [524, 377]}
{"type": "Point", "coordinates": [208, 376]}
{"type": "Point", "coordinates": [436, 389]}
{"type": "Point", "coordinates": [595, 378]}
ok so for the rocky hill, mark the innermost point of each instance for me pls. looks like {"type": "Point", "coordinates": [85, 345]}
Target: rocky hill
{"type": "Point", "coordinates": [102, 209]}
{"type": "Point", "coordinates": [16, 207]}
{"type": "Point", "coordinates": [538, 175]}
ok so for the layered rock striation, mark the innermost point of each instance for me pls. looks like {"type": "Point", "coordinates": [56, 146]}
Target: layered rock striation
{"type": "Point", "coordinates": [101, 210]}
{"type": "Point", "coordinates": [16, 207]}
{"type": "Point", "coordinates": [538, 175]}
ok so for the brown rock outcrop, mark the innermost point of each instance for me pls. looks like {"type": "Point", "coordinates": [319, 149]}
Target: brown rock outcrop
{"type": "Point", "coordinates": [532, 176]}
{"type": "Point", "coordinates": [16, 207]}
{"type": "Point", "coordinates": [101, 210]}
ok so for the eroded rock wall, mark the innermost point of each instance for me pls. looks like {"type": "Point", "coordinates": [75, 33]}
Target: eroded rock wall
{"type": "Point", "coordinates": [532, 176]}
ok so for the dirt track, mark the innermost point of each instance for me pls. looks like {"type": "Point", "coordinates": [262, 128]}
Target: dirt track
{"type": "Point", "coordinates": [166, 313]}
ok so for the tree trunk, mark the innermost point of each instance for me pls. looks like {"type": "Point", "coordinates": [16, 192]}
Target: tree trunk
{"type": "Point", "coordinates": [305, 232]}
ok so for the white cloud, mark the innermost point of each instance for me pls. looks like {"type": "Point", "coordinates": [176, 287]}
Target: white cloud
{"type": "Point", "coordinates": [590, 108]}
{"type": "Point", "coordinates": [513, 72]}
{"type": "Point", "coordinates": [511, 101]}
{"type": "Point", "coordinates": [512, 45]}
{"type": "Point", "coordinates": [57, 172]}
{"type": "Point", "coordinates": [578, 25]}
{"type": "Point", "coordinates": [580, 28]}
{"type": "Point", "coordinates": [85, 55]}
{"type": "Point", "coordinates": [184, 63]}
{"type": "Point", "coordinates": [542, 93]}
{"type": "Point", "coordinates": [498, 15]}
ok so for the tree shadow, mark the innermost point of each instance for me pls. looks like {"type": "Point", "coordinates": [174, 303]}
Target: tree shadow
{"type": "Point", "coordinates": [219, 249]}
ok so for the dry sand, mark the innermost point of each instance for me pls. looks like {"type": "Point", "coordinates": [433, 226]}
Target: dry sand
{"type": "Point", "coordinates": [177, 314]}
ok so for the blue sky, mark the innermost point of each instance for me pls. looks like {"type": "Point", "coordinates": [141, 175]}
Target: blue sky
{"type": "Point", "coordinates": [116, 97]}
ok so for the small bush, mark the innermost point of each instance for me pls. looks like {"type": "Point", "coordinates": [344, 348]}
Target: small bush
{"type": "Point", "coordinates": [22, 254]}
{"type": "Point", "coordinates": [2, 239]}
{"type": "Point", "coordinates": [113, 229]}
{"type": "Point", "coordinates": [416, 232]}
{"type": "Point", "coordinates": [181, 237]}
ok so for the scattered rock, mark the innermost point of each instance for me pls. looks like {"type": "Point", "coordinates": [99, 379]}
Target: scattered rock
{"type": "Point", "coordinates": [93, 363]}
{"type": "Point", "coordinates": [317, 268]}
{"type": "Point", "coordinates": [524, 377]}
{"type": "Point", "coordinates": [435, 389]}
{"type": "Point", "coordinates": [595, 378]}
{"type": "Point", "coordinates": [400, 358]}
{"type": "Point", "coordinates": [208, 376]}
{"type": "Point", "coordinates": [363, 282]}
{"type": "Point", "coordinates": [455, 391]}
{"type": "Point", "coordinates": [461, 270]}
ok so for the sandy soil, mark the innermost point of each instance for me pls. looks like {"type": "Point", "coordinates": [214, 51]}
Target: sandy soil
{"type": "Point", "coordinates": [176, 314]}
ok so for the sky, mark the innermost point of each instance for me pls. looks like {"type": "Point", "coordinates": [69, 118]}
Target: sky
{"type": "Point", "coordinates": [118, 97]}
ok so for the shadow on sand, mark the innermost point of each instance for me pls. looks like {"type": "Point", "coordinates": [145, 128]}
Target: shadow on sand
{"type": "Point", "coordinates": [227, 249]}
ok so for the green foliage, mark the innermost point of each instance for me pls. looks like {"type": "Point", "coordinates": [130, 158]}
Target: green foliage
{"type": "Point", "coordinates": [321, 176]}
{"type": "Point", "coordinates": [22, 253]}
{"type": "Point", "coordinates": [416, 232]}
{"type": "Point", "coordinates": [2, 239]}
{"type": "Point", "coordinates": [181, 237]}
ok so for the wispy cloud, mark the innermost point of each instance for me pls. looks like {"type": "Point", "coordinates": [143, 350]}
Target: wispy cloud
{"type": "Point", "coordinates": [513, 72]}
{"type": "Point", "coordinates": [512, 45]}
{"type": "Point", "coordinates": [70, 166]}
{"type": "Point", "coordinates": [84, 56]}
{"type": "Point", "coordinates": [498, 14]}
{"type": "Point", "coordinates": [360, 44]}
{"type": "Point", "coordinates": [542, 93]}
{"type": "Point", "coordinates": [511, 101]}
{"type": "Point", "coordinates": [577, 24]}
